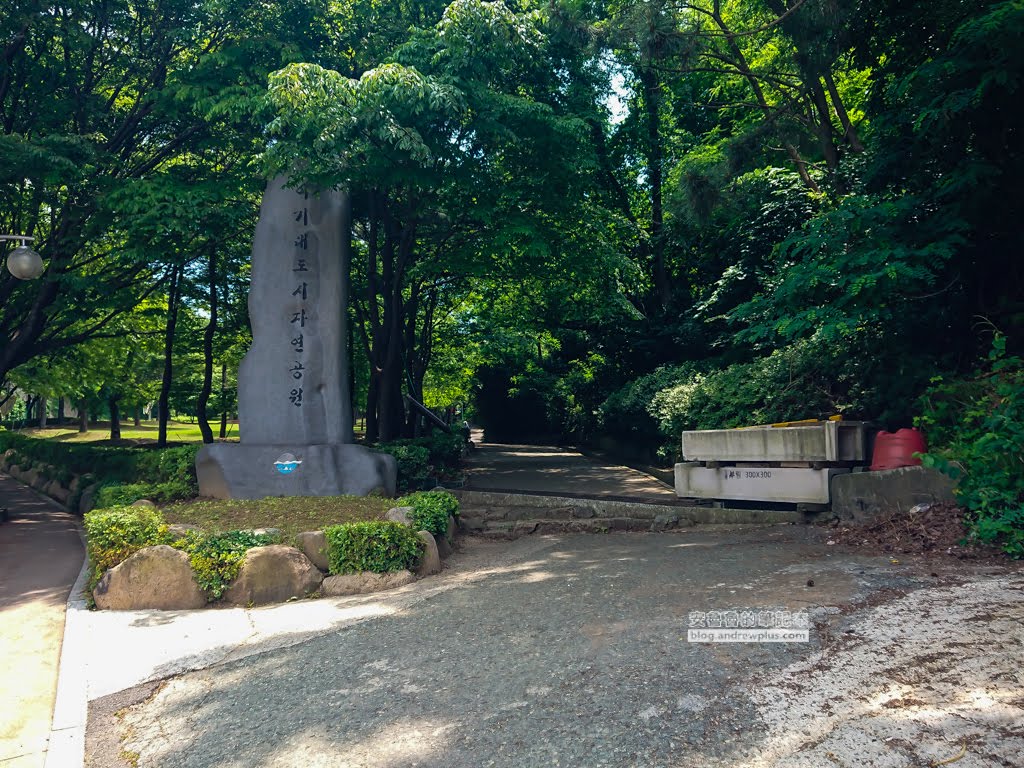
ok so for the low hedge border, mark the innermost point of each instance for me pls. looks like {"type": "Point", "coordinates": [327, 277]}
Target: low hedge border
{"type": "Point", "coordinates": [431, 510]}
{"type": "Point", "coordinates": [123, 475]}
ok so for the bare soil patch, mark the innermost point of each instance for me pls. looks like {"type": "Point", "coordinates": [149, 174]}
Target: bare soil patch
{"type": "Point", "coordinates": [933, 529]}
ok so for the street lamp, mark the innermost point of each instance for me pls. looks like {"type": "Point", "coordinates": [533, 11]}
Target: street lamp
{"type": "Point", "coordinates": [23, 262]}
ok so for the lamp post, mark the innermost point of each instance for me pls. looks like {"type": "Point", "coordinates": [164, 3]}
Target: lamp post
{"type": "Point", "coordinates": [23, 262]}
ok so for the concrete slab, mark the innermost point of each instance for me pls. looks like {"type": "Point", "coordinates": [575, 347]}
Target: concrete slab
{"type": "Point", "coordinates": [775, 484]}
{"type": "Point", "coordinates": [822, 441]}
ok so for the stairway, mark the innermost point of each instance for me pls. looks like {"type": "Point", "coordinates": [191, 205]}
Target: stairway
{"type": "Point", "coordinates": [502, 515]}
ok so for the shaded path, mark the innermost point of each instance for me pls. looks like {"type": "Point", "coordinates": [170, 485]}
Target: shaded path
{"type": "Point", "coordinates": [40, 557]}
{"type": "Point", "coordinates": [551, 470]}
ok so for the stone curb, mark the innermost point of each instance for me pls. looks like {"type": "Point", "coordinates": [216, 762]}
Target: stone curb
{"type": "Point", "coordinates": [66, 748]}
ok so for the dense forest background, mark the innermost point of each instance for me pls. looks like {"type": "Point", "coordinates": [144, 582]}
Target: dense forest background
{"type": "Point", "coordinates": [599, 222]}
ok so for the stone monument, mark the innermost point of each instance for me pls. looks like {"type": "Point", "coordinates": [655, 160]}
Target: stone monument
{"type": "Point", "coordinates": [293, 401]}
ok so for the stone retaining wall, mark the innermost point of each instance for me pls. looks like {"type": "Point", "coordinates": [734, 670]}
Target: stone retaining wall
{"type": "Point", "coordinates": [77, 496]}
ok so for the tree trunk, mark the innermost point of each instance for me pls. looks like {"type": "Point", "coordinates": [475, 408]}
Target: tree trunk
{"type": "Point", "coordinates": [115, 418]}
{"type": "Point", "coordinates": [138, 415]}
{"type": "Point", "coordinates": [223, 400]}
{"type": "Point", "coordinates": [652, 109]}
{"type": "Point", "coordinates": [29, 404]}
{"type": "Point", "coordinates": [351, 373]}
{"type": "Point", "coordinates": [60, 412]}
{"type": "Point", "coordinates": [165, 386]}
{"type": "Point", "coordinates": [849, 132]}
{"type": "Point", "coordinates": [83, 415]}
{"type": "Point", "coordinates": [208, 336]}
{"type": "Point", "coordinates": [372, 434]}
{"type": "Point", "coordinates": [42, 412]}
{"type": "Point", "coordinates": [740, 62]}
{"type": "Point", "coordinates": [824, 121]}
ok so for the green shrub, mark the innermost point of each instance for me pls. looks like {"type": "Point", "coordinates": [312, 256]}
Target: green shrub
{"type": "Point", "coordinates": [430, 510]}
{"type": "Point", "coordinates": [113, 535]}
{"type": "Point", "coordinates": [217, 558]}
{"type": "Point", "coordinates": [378, 546]}
{"type": "Point", "coordinates": [122, 494]}
{"type": "Point", "coordinates": [413, 463]}
{"type": "Point", "coordinates": [626, 413]}
{"type": "Point", "coordinates": [113, 465]}
{"type": "Point", "coordinates": [976, 428]}
{"type": "Point", "coordinates": [418, 458]}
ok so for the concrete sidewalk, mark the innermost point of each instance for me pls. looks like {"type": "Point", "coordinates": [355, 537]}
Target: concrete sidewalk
{"type": "Point", "coordinates": [41, 554]}
{"type": "Point", "coordinates": [552, 470]}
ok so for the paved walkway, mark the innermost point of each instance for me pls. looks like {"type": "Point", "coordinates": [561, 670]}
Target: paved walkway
{"type": "Point", "coordinates": [573, 651]}
{"type": "Point", "coordinates": [550, 470]}
{"type": "Point", "coordinates": [41, 554]}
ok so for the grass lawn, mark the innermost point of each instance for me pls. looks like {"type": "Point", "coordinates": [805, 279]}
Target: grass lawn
{"type": "Point", "coordinates": [292, 515]}
{"type": "Point", "coordinates": [177, 432]}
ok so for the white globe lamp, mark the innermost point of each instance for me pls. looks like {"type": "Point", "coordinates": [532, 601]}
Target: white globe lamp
{"type": "Point", "coordinates": [23, 262]}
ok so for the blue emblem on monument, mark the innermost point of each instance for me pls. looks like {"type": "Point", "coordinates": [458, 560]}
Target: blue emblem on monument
{"type": "Point", "coordinates": [286, 463]}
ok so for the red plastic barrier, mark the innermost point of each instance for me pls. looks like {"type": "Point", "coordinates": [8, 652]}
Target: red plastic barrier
{"type": "Point", "coordinates": [897, 449]}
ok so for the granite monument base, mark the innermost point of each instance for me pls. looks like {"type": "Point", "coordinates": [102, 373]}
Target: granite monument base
{"type": "Point", "coordinates": [241, 471]}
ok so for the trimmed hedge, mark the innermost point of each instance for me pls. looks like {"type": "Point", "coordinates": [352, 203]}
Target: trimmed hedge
{"type": "Point", "coordinates": [431, 510]}
{"type": "Point", "coordinates": [127, 474]}
{"type": "Point", "coordinates": [379, 546]}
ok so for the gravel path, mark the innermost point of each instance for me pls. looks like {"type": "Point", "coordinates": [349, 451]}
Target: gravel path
{"type": "Point", "coordinates": [572, 651]}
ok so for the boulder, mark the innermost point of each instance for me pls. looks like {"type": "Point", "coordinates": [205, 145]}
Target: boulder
{"type": "Point", "coordinates": [76, 483]}
{"type": "Point", "coordinates": [274, 533]}
{"type": "Point", "coordinates": [314, 546]}
{"type": "Point", "coordinates": [453, 529]}
{"type": "Point", "coordinates": [273, 574]}
{"type": "Point", "coordinates": [155, 577]}
{"type": "Point", "coordinates": [180, 530]}
{"type": "Point", "coordinates": [88, 499]}
{"type": "Point", "coordinates": [144, 503]}
{"type": "Point", "coordinates": [430, 563]}
{"type": "Point", "coordinates": [399, 515]}
{"type": "Point", "coordinates": [364, 583]}
{"type": "Point", "coordinates": [57, 492]}
{"type": "Point", "coordinates": [444, 547]}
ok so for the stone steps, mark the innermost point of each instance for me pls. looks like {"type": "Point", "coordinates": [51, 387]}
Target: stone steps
{"type": "Point", "coordinates": [511, 515]}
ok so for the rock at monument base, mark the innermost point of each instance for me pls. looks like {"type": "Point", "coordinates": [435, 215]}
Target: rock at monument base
{"type": "Point", "coordinates": [314, 546]}
{"type": "Point", "coordinates": [430, 563]}
{"type": "Point", "coordinates": [453, 529]}
{"type": "Point", "coordinates": [399, 515]}
{"type": "Point", "coordinates": [241, 471]}
{"type": "Point", "coordinates": [364, 583]}
{"type": "Point", "coordinates": [863, 497]}
{"type": "Point", "coordinates": [155, 577]}
{"type": "Point", "coordinates": [273, 574]}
